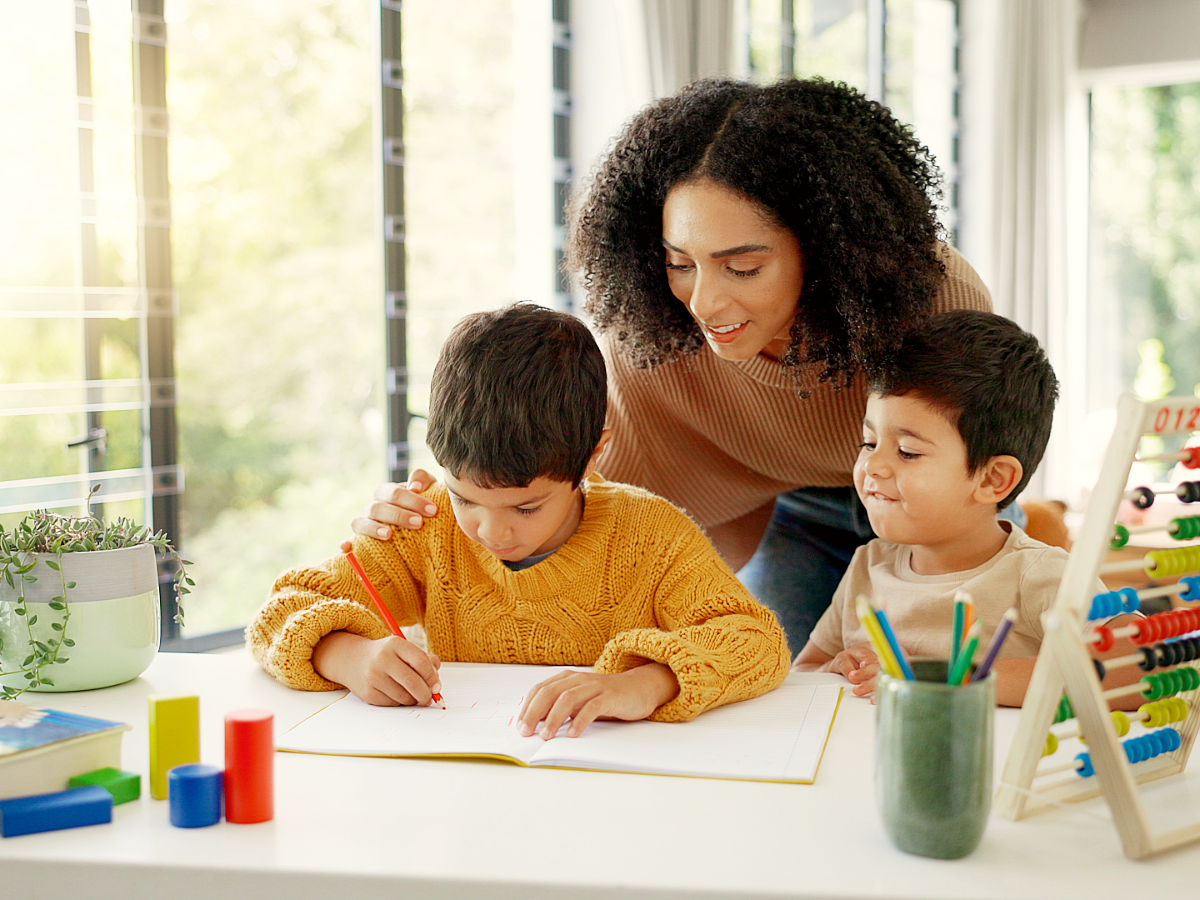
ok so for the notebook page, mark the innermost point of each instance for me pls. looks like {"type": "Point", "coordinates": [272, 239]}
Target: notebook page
{"type": "Point", "coordinates": [482, 703]}
{"type": "Point", "coordinates": [779, 736]}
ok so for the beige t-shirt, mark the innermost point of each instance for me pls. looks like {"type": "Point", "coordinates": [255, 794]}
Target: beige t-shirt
{"type": "Point", "coordinates": [1025, 573]}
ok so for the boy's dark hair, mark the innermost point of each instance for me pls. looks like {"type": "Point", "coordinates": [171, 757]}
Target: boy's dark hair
{"type": "Point", "coordinates": [992, 380]}
{"type": "Point", "coordinates": [838, 170]}
{"type": "Point", "coordinates": [517, 394]}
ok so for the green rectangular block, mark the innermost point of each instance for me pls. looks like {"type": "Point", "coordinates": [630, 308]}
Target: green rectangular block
{"type": "Point", "coordinates": [124, 786]}
{"type": "Point", "coordinates": [174, 738]}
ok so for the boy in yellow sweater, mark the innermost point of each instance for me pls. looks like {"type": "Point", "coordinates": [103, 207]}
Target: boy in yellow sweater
{"type": "Point", "coordinates": [542, 561]}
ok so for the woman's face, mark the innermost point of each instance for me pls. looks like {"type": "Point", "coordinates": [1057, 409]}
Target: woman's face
{"type": "Point", "coordinates": [738, 273]}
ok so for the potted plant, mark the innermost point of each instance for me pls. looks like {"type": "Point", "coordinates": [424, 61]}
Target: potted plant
{"type": "Point", "coordinates": [79, 606]}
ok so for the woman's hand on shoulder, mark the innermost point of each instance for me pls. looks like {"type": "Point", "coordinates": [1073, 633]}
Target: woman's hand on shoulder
{"type": "Point", "coordinates": [396, 506]}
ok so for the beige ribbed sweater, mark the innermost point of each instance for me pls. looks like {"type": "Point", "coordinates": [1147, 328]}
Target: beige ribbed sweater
{"type": "Point", "coordinates": [721, 438]}
{"type": "Point", "coordinates": [637, 581]}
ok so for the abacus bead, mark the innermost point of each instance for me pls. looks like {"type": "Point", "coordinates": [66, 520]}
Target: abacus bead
{"type": "Point", "coordinates": [1086, 770]}
{"type": "Point", "coordinates": [1120, 722]}
{"type": "Point", "coordinates": [1190, 457]}
{"type": "Point", "coordinates": [1120, 537]}
{"type": "Point", "coordinates": [1189, 588]}
{"type": "Point", "coordinates": [1175, 740]}
{"type": "Point", "coordinates": [1152, 687]}
{"type": "Point", "coordinates": [1133, 750]}
{"type": "Point", "coordinates": [1106, 638]}
{"type": "Point", "coordinates": [1143, 497]}
{"type": "Point", "coordinates": [1149, 659]}
{"type": "Point", "coordinates": [1193, 679]}
{"type": "Point", "coordinates": [1129, 599]}
{"type": "Point", "coordinates": [1099, 666]}
{"type": "Point", "coordinates": [1187, 491]}
{"type": "Point", "coordinates": [1051, 744]}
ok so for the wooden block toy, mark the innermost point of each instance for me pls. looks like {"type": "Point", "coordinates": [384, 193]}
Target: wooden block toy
{"type": "Point", "coordinates": [1067, 699]}
{"type": "Point", "coordinates": [249, 766]}
{"type": "Point", "coordinates": [196, 791]}
{"type": "Point", "coordinates": [91, 805]}
{"type": "Point", "coordinates": [124, 786]}
{"type": "Point", "coordinates": [174, 738]}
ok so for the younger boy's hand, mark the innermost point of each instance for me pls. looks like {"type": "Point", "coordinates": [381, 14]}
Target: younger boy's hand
{"type": "Point", "coordinates": [860, 666]}
{"type": "Point", "coordinates": [386, 672]}
{"type": "Point", "coordinates": [396, 505]}
{"type": "Point", "coordinates": [584, 697]}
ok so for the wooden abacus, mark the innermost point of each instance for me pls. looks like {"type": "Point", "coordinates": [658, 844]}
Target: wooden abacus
{"type": "Point", "coordinates": [1111, 766]}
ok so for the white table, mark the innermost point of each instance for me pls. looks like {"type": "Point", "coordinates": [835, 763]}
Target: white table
{"type": "Point", "coordinates": [375, 828]}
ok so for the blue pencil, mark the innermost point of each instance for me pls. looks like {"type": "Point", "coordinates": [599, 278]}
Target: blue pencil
{"type": "Point", "coordinates": [886, 626]}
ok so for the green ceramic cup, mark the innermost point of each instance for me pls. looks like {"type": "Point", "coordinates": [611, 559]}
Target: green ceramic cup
{"type": "Point", "coordinates": [933, 760]}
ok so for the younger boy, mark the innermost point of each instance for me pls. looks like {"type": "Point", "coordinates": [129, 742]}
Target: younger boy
{"type": "Point", "coordinates": [542, 562]}
{"type": "Point", "coordinates": [953, 431]}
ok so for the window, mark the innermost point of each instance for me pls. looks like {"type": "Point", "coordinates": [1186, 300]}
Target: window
{"type": "Point", "coordinates": [221, 352]}
{"type": "Point", "coordinates": [901, 52]}
{"type": "Point", "coordinates": [1144, 247]}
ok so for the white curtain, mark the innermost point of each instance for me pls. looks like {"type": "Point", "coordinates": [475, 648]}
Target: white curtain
{"type": "Point", "coordinates": [686, 40]}
{"type": "Point", "coordinates": [1036, 280]}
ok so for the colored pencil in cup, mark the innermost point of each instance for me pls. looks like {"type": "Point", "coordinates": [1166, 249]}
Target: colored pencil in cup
{"type": "Point", "coordinates": [393, 627]}
{"type": "Point", "coordinates": [993, 650]}
{"type": "Point", "coordinates": [898, 651]}
{"type": "Point", "coordinates": [965, 655]}
{"type": "Point", "coordinates": [956, 628]}
{"type": "Point", "coordinates": [866, 616]}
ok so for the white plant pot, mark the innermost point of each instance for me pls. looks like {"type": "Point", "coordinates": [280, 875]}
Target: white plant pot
{"type": "Point", "coordinates": [114, 619]}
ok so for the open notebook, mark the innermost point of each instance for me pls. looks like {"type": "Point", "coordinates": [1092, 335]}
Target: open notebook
{"type": "Point", "coordinates": [777, 737]}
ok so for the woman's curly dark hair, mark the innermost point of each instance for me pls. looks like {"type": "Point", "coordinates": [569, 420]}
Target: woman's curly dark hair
{"type": "Point", "coordinates": [853, 185]}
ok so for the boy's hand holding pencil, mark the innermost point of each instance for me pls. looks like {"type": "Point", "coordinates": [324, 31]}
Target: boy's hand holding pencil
{"type": "Point", "coordinates": [388, 672]}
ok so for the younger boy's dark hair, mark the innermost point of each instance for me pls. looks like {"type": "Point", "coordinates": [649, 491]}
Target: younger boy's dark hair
{"type": "Point", "coordinates": [517, 394]}
{"type": "Point", "coordinates": [992, 380]}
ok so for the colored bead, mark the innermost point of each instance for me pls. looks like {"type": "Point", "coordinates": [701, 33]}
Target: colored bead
{"type": "Point", "coordinates": [1086, 770]}
{"type": "Point", "coordinates": [1106, 637]}
{"type": "Point", "coordinates": [1184, 529]}
{"type": "Point", "coordinates": [1149, 659]}
{"type": "Point", "coordinates": [1186, 491]}
{"type": "Point", "coordinates": [1051, 744]}
{"type": "Point", "coordinates": [1190, 457]}
{"type": "Point", "coordinates": [1142, 497]}
{"type": "Point", "coordinates": [1099, 667]}
{"type": "Point", "coordinates": [1129, 599]}
{"type": "Point", "coordinates": [1120, 722]}
{"type": "Point", "coordinates": [1189, 588]}
{"type": "Point", "coordinates": [1120, 537]}
{"type": "Point", "coordinates": [1065, 710]}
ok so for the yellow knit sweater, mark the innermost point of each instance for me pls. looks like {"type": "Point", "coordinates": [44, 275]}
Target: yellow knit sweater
{"type": "Point", "coordinates": [637, 582]}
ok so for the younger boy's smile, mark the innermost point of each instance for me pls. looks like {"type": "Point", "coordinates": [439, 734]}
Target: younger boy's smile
{"type": "Point", "coordinates": [911, 475]}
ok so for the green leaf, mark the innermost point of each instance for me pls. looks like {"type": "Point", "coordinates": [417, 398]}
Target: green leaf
{"type": "Point", "coordinates": [53, 565]}
{"type": "Point", "coordinates": [57, 626]}
{"type": "Point", "coordinates": [20, 610]}
{"type": "Point", "coordinates": [67, 642]}
{"type": "Point", "coordinates": [63, 659]}
{"type": "Point", "coordinates": [33, 619]}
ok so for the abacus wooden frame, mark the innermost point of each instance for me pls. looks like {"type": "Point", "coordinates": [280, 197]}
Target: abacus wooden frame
{"type": "Point", "coordinates": [1064, 663]}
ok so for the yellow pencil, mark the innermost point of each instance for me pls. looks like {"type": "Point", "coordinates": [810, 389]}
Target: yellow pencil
{"type": "Point", "coordinates": [883, 649]}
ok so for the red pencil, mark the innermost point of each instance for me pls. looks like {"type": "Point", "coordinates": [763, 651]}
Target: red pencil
{"type": "Point", "coordinates": [382, 607]}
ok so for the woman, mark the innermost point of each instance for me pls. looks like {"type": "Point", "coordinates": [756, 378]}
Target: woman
{"type": "Point", "coordinates": [748, 253]}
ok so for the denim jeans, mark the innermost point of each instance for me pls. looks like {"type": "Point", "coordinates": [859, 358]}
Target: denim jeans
{"type": "Point", "coordinates": [806, 549]}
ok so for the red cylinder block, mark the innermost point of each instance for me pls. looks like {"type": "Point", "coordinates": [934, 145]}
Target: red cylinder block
{"type": "Point", "coordinates": [249, 766]}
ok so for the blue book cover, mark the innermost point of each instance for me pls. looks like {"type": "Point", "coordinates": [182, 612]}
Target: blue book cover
{"type": "Point", "coordinates": [24, 727]}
